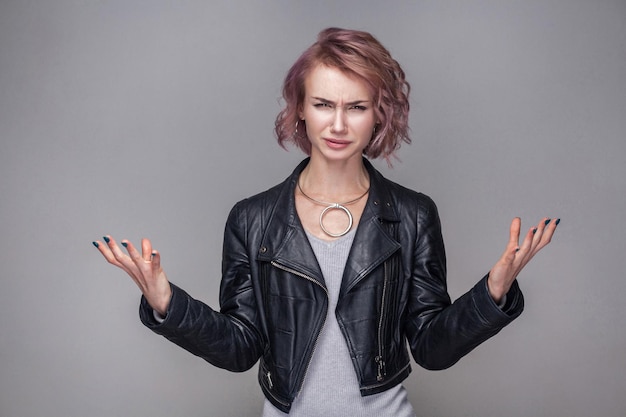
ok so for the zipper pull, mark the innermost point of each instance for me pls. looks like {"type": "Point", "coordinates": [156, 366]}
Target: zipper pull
{"type": "Point", "coordinates": [381, 368]}
{"type": "Point", "coordinates": [269, 379]}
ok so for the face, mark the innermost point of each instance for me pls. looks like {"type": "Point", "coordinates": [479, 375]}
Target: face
{"type": "Point", "coordinates": [339, 114]}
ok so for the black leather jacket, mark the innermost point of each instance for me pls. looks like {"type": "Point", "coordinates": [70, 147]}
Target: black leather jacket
{"type": "Point", "coordinates": [274, 301]}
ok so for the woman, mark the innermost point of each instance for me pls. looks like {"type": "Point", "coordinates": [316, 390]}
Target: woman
{"type": "Point", "coordinates": [327, 276]}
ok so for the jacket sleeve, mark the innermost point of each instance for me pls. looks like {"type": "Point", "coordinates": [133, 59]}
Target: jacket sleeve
{"type": "Point", "coordinates": [230, 338]}
{"type": "Point", "coordinates": [440, 332]}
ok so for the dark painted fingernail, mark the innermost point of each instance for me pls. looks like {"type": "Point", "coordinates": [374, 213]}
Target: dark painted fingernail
{"type": "Point", "coordinates": [125, 244]}
{"type": "Point", "coordinates": [547, 221]}
{"type": "Point", "coordinates": [534, 230]}
{"type": "Point", "coordinates": [95, 244]}
{"type": "Point", "coordinates": [106, 239]}
{"type": "Point", "coordinates": [558, 221]}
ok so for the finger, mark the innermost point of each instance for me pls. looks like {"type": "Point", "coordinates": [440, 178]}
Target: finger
{"type": "Point", "coordinates": [551, 228]}
{"type": "Point", "coordinates": [156, 261]}
{"type": "Point", "coordinates": [541, 237]}
{"type": "Point", "coordinates": [106, 252]}
{"type": "Point", "coordinates": [130, 260]}
{"type": "Point", "coordinates": [116, 257]}
{"type": "Point", "coordinates": [146, 250]}
{"type": "Point", "coordinates": [117, 252]}
{"type": "Point", "coordinates": [112, 244]}
{"type": "Point", "coordinates": [527, 244]}
{"type": "Point", "coordinates": [541, 226]}
{"type": "Point", "coordinates": [547, 229]}
{"type": "Point", "coordinates": [133, 253]}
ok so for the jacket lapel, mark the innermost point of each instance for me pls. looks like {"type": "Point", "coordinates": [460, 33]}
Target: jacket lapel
{"type": "Point", "coordinates": [372, 243]}
{"type": "Point", "coordinates": [285, 240]}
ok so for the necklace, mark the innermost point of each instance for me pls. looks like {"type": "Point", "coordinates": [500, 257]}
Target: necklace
{"type": "Point", "coordinates": [334, 206]}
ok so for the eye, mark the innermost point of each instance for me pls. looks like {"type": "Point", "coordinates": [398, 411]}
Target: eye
{"type": "Point", "coordinates": [320, 105]}
{"type": "Point", "coordinates": [358, 107]}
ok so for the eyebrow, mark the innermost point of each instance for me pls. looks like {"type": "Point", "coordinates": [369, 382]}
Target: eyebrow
{"type": "Point", "coordinates": [352, 103]}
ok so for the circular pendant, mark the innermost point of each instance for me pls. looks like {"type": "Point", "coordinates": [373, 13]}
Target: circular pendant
{"type": "Point", "coordinates": [336, 206]}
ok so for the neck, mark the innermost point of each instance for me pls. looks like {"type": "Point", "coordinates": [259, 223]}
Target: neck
{"type": "Point", "coordinates": [334, 181]}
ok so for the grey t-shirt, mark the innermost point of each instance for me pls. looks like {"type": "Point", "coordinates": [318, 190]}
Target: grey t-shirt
{"type": "Point", "coordinates": [330, 386]}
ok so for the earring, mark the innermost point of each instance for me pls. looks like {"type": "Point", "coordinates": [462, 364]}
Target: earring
{"type": "Point", "coordinates": [297, 123]}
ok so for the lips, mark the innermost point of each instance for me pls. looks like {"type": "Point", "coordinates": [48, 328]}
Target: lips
{"type": "Point", "coordinates": [336, 143]}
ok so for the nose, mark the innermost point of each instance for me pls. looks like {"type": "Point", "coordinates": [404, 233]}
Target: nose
{"type": "Point", "coordinates": [339, 121]}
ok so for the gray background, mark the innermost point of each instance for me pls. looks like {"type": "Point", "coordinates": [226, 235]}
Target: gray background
{"type": "Point", "coordinates": [152, 118]}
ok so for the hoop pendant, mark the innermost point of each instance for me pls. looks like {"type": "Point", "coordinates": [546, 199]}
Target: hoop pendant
{"type": "Point", "coordinates": [336, 206]}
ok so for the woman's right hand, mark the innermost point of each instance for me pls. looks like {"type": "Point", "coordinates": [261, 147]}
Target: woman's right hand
{"type": "Point", "coordinates": [145, 269]}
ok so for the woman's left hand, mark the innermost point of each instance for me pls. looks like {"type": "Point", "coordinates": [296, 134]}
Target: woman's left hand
{"type": "Point", "coordinates": [515, 257]}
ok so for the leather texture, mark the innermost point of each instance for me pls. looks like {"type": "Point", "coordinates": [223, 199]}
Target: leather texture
{"type": "Point", "coordinates": [273, 297]}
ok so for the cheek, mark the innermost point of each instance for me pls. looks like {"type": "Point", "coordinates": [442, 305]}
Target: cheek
{"type": "Point", "coordinates": [367, 125]}
{"type": "Point", "coordinates": [316, 121]}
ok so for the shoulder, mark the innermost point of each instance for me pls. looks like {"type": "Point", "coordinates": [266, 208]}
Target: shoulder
{"type": "Point", "coordinates": [417, 215]}
{"type": "Point", "coordinates": [266, 200]}
{"type": "Point", "coordinates": [410, 197]}
{"type": "Point", "coordinates": [249, 217]}
{"type": "Point", "coordinates": [415, 209]}
{"type": "Point", "coordinates": [403, 198]}
{"type": "Point", "coordinates": [257, 206]}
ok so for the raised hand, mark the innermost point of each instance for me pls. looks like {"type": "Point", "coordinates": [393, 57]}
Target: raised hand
{"type": "Point", "coordinates": [145, 269]}
{"type": "Point", "coordinates": [515, 257]}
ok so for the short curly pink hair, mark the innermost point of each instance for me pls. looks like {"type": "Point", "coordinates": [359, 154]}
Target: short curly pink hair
{"type": "Point", "coordinates": [360, 55]}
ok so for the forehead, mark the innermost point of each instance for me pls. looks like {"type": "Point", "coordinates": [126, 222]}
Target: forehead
{"type": "Point", "coordinates": [333, 84]}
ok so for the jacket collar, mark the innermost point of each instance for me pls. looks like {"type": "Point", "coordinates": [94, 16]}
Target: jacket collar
{"type": "Point", "coordinates": [286, 243]}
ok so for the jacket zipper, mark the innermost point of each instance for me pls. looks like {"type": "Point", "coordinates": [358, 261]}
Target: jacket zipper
{"type": "Point", "coordinates": [268, 376]}
{"type": "Point", "coordinates": [313, 280]}
{"type": "Point", "coordinates": [380, 359]}
{"type": "Point", "coordinates": [369, 387]}
{"type": "Point", "coordinates": [269, 380]}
